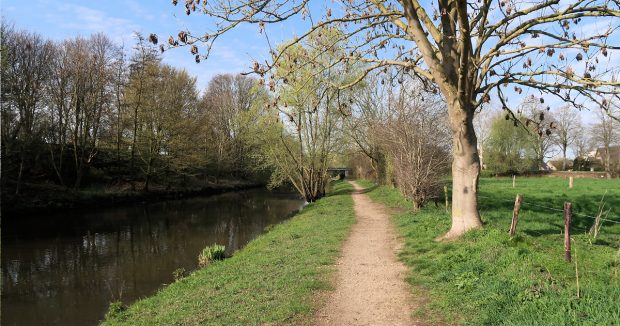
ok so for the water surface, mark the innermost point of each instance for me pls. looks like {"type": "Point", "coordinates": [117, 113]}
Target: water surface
{"type": "Point", "coordinates": [64, 269]}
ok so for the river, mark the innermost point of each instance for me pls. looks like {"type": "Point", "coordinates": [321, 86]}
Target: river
{"type": "Point", "coordinates": [64, 269]}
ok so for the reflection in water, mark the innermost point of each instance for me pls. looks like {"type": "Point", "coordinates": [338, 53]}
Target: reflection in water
{"type": "Point", "coordinates": [66, 268]}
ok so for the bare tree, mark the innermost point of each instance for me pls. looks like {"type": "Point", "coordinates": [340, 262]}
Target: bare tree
{"type": "Point", "coordinates": [120, 81]}
{"type": "Point", "coordinates": [471, 50]}
{"type": "Point", "coordinates": [26, 70]}
{"type": "Point", "coordinates": [483, 120]}
{"type": "Point", "coordinates": [58, 109]}
{"type": "Point", "coordinates": [582, 145]}
{"type": "Point", "coordinates": [143, 61]}
{"type": "Point", "coordinates": [415, 137]}
{"type": "Point", "coordinates": [567, 130]}
{"type": "Point", "coordinates": [90, 96]}
{"type": "Point", "coordinates": [604, 133]}
{"type": "Point", "coordinates": [226, 97]}
{"type": "Point", "coordinates": [540, 124]}
{"type": "Point", "coordinates": [369, 111]}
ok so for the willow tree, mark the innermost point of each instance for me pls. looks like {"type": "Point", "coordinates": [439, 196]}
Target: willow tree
{"type": "Point", "coordinates": [472, 51]}
{"type": "Point", "coordinates": [309, 109]}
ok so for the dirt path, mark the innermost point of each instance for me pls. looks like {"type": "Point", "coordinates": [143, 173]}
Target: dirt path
{"type": "Point", "coordinates": [370, 286]}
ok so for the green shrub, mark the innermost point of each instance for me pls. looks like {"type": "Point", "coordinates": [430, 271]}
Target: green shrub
{"type": "Point", "coordinates": [211, 253]}
{"type": "Point", "coordinates": [115, 309]}
{"type": "Point", "coordinates": [178, 273]}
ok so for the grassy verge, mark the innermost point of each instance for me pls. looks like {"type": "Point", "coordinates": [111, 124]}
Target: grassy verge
{"type": "Point", "coordinates": [487, 278]}
{"type": "Point", "coordinates": [271, 281]}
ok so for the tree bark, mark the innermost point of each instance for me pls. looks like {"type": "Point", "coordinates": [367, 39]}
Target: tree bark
{"type": "Point", "coordinates": [564, 157]}
{"type": "Point", "coordinates": [465, 173]}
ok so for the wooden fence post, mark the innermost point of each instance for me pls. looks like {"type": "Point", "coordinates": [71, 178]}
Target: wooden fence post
{"type": "Point", "coordinates": [570, 182]}
{"type": "Point", "coordinates": [445, 191]}
{"type": "Point", "coordinates": [568, 211]}
{"type": "Point", "coordinates": [515, 215]}
{"type": "Point", "coordinates": [513, 180]}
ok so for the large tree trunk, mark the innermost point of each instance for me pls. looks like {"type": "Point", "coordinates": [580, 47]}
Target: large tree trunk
{"type": "Point", "coordinates": [465, 174]}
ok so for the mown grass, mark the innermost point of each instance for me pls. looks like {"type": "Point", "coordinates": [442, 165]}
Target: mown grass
{"type": "Point", "coordinates": [488, 278]}
{"type": "Point", "coordinates": [273, 280]}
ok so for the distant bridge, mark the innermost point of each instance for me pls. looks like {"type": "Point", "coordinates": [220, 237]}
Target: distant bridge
{"type": "Point", "coordinates": [336, 171]}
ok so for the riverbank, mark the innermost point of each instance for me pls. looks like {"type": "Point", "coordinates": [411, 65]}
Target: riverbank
{"type": "Point", "coordinates": [489, 278]}
{"type": "Point", "coordinates": [273, 280]}
{"type": "Point", "coordinates": [50, 198]}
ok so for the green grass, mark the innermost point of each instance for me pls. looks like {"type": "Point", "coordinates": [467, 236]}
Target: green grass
{"type": "Point", "coordinates": [273, 280]}
{"type": "Point", "coordinates": [487, 278]}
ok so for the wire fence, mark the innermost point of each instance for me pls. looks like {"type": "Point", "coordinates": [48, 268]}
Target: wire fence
{"type": "Point", "coordinates": [613, 219]}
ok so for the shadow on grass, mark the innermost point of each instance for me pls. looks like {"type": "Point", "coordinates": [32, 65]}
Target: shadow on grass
{"type": "Point", "coordinates": [366, 190]}
{"type": "Point", "coordinates": [548, 209]}
{"type": "Point", "coordinates": [340, 192]}
{"type": "Point", "coordinates": [540, 232]}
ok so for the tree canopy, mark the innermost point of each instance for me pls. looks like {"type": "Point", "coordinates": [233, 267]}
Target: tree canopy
{"type": "Point", "coordinates": [470, 51]}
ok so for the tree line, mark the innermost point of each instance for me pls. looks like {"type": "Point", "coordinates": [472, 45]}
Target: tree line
{"type": "Point", "coordinates": [542, 136]}
{"type": "Point", "coordinates": [84, 111]}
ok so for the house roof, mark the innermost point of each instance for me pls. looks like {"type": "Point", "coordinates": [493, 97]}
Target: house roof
{"type": "Point", "coordinates": [614, 153]}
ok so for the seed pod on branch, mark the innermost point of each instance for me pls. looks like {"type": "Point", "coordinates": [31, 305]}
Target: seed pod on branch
{"type": "Point", "coordinates": [183, 36]}
{"type": "Point", "coordinates": [153, 38]}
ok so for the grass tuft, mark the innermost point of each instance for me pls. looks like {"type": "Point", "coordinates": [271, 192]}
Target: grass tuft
{"type": "Point", "coordinates": [210, 254]}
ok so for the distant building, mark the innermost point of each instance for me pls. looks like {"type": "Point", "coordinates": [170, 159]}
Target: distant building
{"type": "Point", "coordinates": [556, 165]}
{"type": "Point", "coordinates": [614, 156]}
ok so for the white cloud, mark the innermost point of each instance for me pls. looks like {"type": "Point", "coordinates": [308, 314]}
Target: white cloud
{"type": "Point", "coordinates": [85, 20]}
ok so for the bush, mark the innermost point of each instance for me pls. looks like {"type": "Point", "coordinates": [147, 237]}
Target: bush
{"type": "Point", "coordinates": [211, 253]}
{"type": "Point", "coordinates": [114, 309]}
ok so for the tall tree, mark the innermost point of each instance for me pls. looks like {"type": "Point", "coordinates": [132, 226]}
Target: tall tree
{"type": "Point", "coordinates": [369, 111]}
{"type": "Point", "coordinates": [226, 98]}
{"type": "Point", "coordinates": [505, 148]}
{"type": "Point", "coordinates": [567, 130]}
{"type": "Point", "coordinates": [483, 120]}
{"type": "Point", "coordinates": [471, 50]}
{"type": "Point", "coordinates": [144, 61]}
{"type": "Point", "coordinates": [59, 92]}
{"type": "Point", "coordinates": [90, 96]}
{"type": "Point", "coordinates": [540, 125]}
{"type": "Point", "coordinates": [25, 72]}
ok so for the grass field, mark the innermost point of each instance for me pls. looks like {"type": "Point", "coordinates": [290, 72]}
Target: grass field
{"type": "Point", "coordinates": [273, 280]}
{"type": "Point", "coordinates": [488, 278]}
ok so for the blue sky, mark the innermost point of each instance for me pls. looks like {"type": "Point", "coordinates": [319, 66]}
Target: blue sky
{"type": "Point", "coordinates": [119, 19]}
